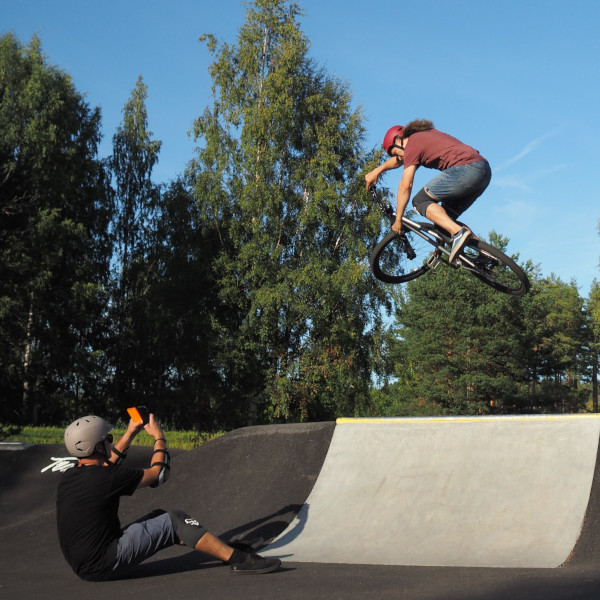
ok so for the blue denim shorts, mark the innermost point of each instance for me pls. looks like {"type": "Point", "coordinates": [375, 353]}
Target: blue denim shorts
{"type": "Point", "coordinates": [457, 188]}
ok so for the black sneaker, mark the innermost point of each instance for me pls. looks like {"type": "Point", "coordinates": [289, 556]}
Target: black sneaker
{"type": "Point", "coordinates": [458, 241]}
{"type": "Point", "coordinates": [253, 564]}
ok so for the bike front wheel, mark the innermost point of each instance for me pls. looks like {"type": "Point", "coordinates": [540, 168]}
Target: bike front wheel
{"type": "Point", "coordinates": [401, 258]}
{"type": "Point", "coordinates": [493, 267]}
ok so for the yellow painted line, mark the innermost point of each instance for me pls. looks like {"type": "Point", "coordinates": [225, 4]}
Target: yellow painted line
{"type": "Point", "coordinates": [466, 419]}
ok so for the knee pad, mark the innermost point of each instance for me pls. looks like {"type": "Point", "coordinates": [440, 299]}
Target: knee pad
{"type": "Point", "coordinates": [421, 201]}
{"type": "Point", "coordinates": [187, 529]}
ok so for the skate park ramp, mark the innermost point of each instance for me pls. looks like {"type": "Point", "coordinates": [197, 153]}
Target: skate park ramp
{"type": "Point", "coordinates": [255, 483]}
{"type": "Point", "coordinates": [470, 492]}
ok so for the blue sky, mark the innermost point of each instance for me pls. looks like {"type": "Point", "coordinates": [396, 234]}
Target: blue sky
{"type": "Point", "coordinates": [517, 80]}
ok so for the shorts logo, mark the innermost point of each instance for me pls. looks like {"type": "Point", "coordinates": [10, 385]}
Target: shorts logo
{"type": "Point", "coordinates": [192, 522]}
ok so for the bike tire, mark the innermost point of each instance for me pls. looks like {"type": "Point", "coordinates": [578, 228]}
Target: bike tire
{"type": "Point", "coordinates": [390, 263]}
{"type": "Point", "coordinates": [500, 272]}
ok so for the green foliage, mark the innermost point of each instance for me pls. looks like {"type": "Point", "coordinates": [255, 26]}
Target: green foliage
{"type": "Point", "coordinates": [466, 349]}
{"type": "Point", "coordinates": [184, 440]}
{"type": "Point", "coordinates": [7, 431]}
{"type": "Point", "coordinates": [54, 213]}
{"type": "Point", "coordinates": [278, 182]}
{"type": "Point", "coordinates": [134, 362]}
{"type": "Point", "coordinates": [592, 342]}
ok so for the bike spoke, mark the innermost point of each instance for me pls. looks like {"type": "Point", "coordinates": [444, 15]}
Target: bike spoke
{"type": "Point", "coordinates": [398, 259]}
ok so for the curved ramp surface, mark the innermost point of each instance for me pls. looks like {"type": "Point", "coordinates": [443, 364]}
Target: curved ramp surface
{"type": "Point", "coordinates": [470, 492]}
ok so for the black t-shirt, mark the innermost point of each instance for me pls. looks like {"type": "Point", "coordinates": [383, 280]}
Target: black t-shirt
{"type": "Point", "coordinates": [87, 515]}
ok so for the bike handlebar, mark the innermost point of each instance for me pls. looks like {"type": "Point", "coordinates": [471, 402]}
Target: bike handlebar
{"type": "Point", "coordinates": [386, 209]}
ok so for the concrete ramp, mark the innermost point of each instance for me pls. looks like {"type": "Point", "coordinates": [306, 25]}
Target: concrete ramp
{"type": "Point", "coordinates": [470, 492]}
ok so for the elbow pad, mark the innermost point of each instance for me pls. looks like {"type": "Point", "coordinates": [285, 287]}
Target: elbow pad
{"type": "Point", "coordinates": [165, 468]}
{"type": "Point", "coordinates": [121, 456]}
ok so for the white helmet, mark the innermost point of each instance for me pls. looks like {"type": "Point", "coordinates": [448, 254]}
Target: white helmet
{"type": "Point", "coordinates": [82, 435]}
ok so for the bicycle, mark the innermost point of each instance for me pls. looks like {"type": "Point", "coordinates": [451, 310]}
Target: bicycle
{"type": "Point", "coordinates": [401, 258]}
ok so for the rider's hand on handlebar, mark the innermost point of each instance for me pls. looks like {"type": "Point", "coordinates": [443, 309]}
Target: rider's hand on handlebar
{"type": "Point", "coordinates": [371, 179]}
{"type": "Point", "coordinates": [397, 226]}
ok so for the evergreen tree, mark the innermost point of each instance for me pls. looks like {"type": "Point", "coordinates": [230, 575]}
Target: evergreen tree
{"type": "Point", "coordinates": [183, 301]}
{"type": "Point", "coordinates": [557, 326]}
{"type": "Point", "coordinates": [137, 369]}
{"type": "Point", "coordinates": [593, 339]}
{"type": "Point", "coordinates": [464, 344]}
{"type": "Point", "coordinates": [466, 349]}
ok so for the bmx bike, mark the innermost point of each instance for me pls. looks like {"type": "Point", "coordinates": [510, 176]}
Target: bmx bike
{"type": "Point", "coordinates": [422, 247]}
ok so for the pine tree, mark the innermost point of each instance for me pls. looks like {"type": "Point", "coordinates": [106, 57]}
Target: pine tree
{"type": "Point", "coordinates": [593, 314]}
{"type": "Point", "coordinates": [135, 154]}
{"type": "Point", "coordinates": [464, 343]}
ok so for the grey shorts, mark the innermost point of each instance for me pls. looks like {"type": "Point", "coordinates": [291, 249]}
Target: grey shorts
{"type": "Point", "coordinates": [154, 532]}
{"type": "Point", "coordinates": [142, 539]}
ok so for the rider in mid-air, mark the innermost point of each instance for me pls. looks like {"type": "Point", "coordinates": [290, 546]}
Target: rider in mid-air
{"type": "Point", "coordinates": [464, 176]}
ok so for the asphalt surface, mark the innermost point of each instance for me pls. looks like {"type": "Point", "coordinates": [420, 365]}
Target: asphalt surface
{"type": "Point", "coordinates": [248, 485]}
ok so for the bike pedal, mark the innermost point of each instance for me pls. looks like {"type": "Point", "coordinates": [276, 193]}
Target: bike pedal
{"type": "Point", "coordinates": [433, 262]}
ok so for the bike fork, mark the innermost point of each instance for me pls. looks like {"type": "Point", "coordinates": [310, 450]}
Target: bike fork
{"type": "Point", "coordinates": [408, 249]}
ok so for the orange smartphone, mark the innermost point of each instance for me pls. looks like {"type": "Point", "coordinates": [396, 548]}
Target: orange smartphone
{"type": "Point", "coordinates": [139, 414]}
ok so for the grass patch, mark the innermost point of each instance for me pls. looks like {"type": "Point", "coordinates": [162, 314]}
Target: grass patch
{"type": "Point", "coordinates": [184, 440]}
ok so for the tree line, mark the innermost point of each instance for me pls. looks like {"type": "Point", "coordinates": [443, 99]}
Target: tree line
{"type": "Point", "coordinates": [462, 348]}
{"type": "Point", "coordinates": [239, 293]}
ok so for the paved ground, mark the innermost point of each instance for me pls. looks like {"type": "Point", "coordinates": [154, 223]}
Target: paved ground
{"type": "Point", "coordinates": [251, 484]}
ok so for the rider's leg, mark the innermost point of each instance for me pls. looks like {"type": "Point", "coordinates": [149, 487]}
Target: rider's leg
{"type": "Point", "coordinates": [460, 234]}
{"type": "Point", "coordinates": [427, 206]}
{"type": "Point", "coordinates": [210, 544]}
{"type": "Point", "coordinates": [455, 189]}
{"type": "Point", "coordinates": [440, 217]}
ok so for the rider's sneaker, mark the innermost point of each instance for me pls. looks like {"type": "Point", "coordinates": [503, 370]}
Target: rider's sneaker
{"type": "Point", "coordinates": [243, 563]}
{"type": "Point", "coordinates": [458, 241]}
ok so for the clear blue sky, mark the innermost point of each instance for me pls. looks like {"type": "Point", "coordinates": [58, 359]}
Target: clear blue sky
{"type": "Point", "coordinates": [518, 80]}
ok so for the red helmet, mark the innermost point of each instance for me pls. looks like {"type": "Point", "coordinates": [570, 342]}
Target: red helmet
{"type": "Point", "coordinates": [390, 136]}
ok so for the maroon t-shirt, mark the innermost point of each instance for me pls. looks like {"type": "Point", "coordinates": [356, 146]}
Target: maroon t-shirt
{"type": "Point", "coordinates": [437, 150]}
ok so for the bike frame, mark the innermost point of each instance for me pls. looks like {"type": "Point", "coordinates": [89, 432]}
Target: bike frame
{"type": "Point", "coordinates": [442, 242]}
{"type": "Point", "coordinates": [432, 235]}
{"type": "Point", "coordinates": [509, 278]}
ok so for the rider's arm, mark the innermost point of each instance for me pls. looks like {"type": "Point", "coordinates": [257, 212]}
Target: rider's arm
{"type": "Point", "coordinates": [404, 191]}
{"type": "Point", "coordinates": [151, 474]}
{"type": "Point", "coordinates": [150, 477]}
{"type": "Point", "coordinates": [119, 450]}
{"type": "Point", "coordinates": [392, 163]}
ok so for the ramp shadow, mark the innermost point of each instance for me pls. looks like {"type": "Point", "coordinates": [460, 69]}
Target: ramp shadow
{"type": "Point", "coordinates": [259, 532]}
{"type": "Point", "coordinates": [292, 534]}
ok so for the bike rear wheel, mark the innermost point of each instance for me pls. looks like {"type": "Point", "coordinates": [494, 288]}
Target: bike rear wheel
{"type": "Point", "coordinates": [392, 261]}
{"type": "Point", "coordinates": [494, 268]}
